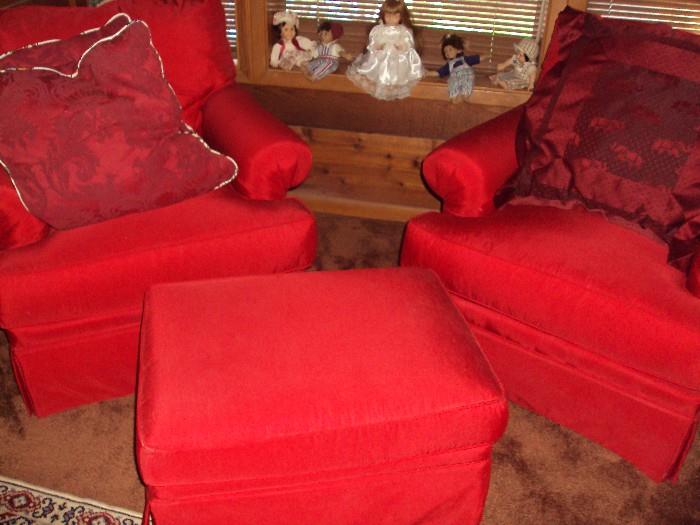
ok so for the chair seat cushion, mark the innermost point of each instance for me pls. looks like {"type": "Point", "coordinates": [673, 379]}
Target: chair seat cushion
{"type": "Point", "coordinates": [571, 274]}
{"type": "Point", "coordinates": [104, 268]}
{"type": "Point", "coordinates": [254, 378]}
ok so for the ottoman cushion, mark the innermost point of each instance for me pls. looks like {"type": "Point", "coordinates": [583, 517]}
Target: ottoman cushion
{"type": "Point", "coordinates": [307, 376]}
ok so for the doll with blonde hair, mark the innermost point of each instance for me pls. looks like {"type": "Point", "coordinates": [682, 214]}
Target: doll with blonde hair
{"type": "Point", "coordinates": [390, 66]}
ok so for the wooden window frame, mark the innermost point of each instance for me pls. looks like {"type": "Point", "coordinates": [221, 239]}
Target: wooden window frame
{"type": "Point", "coordinates": [253, 56]}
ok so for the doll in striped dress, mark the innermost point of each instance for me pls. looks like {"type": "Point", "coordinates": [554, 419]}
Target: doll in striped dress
{"type": "Point", "coordinates": [327, 52]}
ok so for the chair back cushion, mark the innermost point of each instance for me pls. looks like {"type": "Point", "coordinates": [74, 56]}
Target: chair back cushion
{"type": "Point", "coordinates": [24, 25]}
{"type": "Point", "coordinates": [190, 36]}
{"type": "Point", "coordinates": [614, 123]}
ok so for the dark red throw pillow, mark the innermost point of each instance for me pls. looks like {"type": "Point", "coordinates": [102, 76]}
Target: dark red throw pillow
{"type": "Point", "coordinates": [694, 276]}
{"type": "Point", "coordinates": [101, 136]}
{"type": "Point", "coordinates": [614, 123]}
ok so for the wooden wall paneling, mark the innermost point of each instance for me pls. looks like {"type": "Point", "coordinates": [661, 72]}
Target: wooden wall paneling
{"type": "Point", "coordinates": [253, 36]}
{"type": "Point", "coordinates": [366, 174]}
{"type": "Point", "coordinates": [410, 117]}
{"type": "Point", "coordinates": [367, 153]}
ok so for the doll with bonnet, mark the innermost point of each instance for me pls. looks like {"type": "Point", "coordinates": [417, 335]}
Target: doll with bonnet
{"type": "Point", "coordinates": [521, 67]}
{"type": "Point", "coordinates": [291, 50]}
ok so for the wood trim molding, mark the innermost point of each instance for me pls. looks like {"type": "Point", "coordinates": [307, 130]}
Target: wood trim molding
{"type": "Point", "coordinates": [426, 89]}
{"type": "Point", "coordinates": [251, 19]}
{"type": "Point", "coordinates": [556, 7]}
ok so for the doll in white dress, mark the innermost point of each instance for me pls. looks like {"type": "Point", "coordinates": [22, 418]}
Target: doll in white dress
{"type": "Point", "coordinates": [390, 66]}
{"type": "Point", "coordinates": [519, 71]}
{"type": "Point", "coordinates": [327, 52]}
{"type": "Point", "coordinates": [291, 51]}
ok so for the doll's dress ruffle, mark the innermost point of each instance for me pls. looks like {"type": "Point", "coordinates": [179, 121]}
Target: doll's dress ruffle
{"type": "Point", "coordinates": [383, 71]}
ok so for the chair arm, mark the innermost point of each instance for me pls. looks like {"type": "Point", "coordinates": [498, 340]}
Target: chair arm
{"type": "Point", "coordinates": [271, 157]}
{"type": "Point", "coordinates": [467, 170]}
{"type": "Point", "coordinates": [694, 275]}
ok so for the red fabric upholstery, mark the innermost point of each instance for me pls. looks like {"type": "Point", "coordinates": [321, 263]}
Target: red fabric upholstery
{"type": "Point", "coordinates": [554, 288]}
{"type": "Point", "coordinates": [614, 125]}
{"type": "Point", "coordinates": [58, 300]}
{"type": "Point", "coordinates": [467, 170]}
{"type": "Point", "coordinates": [694, 276]}
{"type": "Point", "coordinates": [582, 319]}
{"type": "Point", "coordinates": [325, 398]}
{"type": "Point", "coordinates": [24, 25]}
{"type": "Point", "coordinates": [191, 39]}
{"type": "Point", "coordinates": [18, 227]}
{"type": "Point", "coordinates": [98, 134]}
{"type": "Point", "coordinates": [624, 302]}
{"type": "Point", "coordinates": [70, 303]}
{"type": "Point", "coordinates": [270, 156]}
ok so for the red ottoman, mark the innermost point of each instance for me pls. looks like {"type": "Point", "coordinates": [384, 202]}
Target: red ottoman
{"type": "Point", "coordinates": [355, 397]}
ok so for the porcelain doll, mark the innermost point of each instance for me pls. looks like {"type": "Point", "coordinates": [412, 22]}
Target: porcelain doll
{"type": "Point", "coordinates": [458, 68]}
{"type": "Point", "coordinates": [390, 66]}
{"type": "Point", "coordinates": [291, 51]}
{"type": "Point", "coordinates": [327, 52]}
{"type": "Point", "coordinates": [521, 67]}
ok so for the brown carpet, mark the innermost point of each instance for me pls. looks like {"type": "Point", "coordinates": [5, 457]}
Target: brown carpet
{"type": "Point", "coordinates": [542, 473]}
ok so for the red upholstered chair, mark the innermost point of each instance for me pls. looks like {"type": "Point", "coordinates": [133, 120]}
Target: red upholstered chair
{"type": "Point", "coordinates": [583, 319]}
{"type": "Point", "coordinates": [70, 303]}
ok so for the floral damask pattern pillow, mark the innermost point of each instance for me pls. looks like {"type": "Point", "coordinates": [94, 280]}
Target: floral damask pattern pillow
{"type": "Point", "coordinates": [90, 129]}
{"type": "Point", "coordinates": [614, 123]}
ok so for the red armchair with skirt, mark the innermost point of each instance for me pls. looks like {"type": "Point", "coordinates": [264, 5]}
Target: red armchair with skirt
{"type": "Point", "coordinates": [73, 272]}
{"type": "Point", "coordinates": [567, 238]}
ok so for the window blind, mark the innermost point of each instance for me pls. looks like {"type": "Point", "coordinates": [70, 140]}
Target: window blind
{"type": "Point", "coordinates": [679, 14]}
{"type": "Point", "coordinates": [490, 26]}
{"type": "Point", "coordinates": [231, 31]}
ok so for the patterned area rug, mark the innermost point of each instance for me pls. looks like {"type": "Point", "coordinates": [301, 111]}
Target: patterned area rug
{"type": "Point", "coordinates": [22, 504]}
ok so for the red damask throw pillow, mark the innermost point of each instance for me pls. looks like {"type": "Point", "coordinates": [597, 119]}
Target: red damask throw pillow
{"type": "Point", "coordinates": [614, 123]}
{"type": "Point", "coordinates": [92, 130]}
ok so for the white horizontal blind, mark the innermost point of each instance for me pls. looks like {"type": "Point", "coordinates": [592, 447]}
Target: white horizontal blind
{"type": "Point", "coordinates": [231, 31]}
{"type": "Point", "coordinates": [491, 26]}
{"type": "Point", "coordinates": [680, 15]}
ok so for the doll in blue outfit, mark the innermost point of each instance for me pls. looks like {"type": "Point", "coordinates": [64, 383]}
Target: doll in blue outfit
{"type": "Point", "coordinates": [458, 68]}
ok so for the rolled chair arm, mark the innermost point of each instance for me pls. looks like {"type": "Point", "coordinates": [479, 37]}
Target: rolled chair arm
{"type": "Point", "coordinates": [271, 157]}
{"type": "Point", "coordinates": [467, 170]}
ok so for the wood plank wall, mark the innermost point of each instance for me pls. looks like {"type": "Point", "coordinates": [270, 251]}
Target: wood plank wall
{"type": "Point", "coordinates": [368, 153]}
